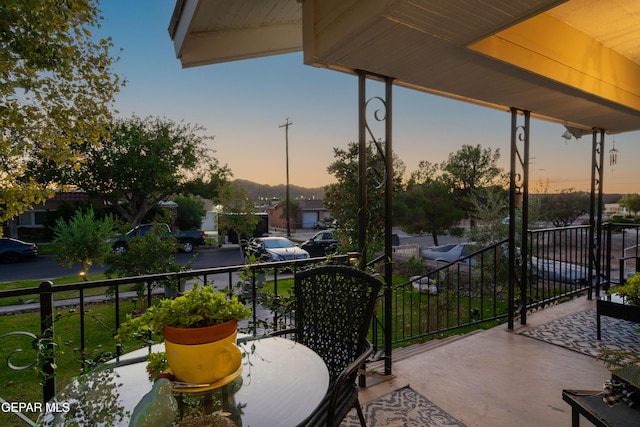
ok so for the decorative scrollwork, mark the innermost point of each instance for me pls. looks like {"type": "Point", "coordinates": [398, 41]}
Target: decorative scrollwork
{"type": "Point", "coordinates": [378, 175]}
{"type": "Point", "coordinates": [521, 136]}
{"type": "Point", "coordinates": [19, 350]}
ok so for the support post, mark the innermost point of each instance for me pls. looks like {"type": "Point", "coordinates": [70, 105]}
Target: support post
{"type": "Point", "coordinates": [595, 211]}
{"type": "Point", "coordinates": [388, 225]}
{"type": "Point", "coordinates": [47, 335]}
{"type": "Point", "coordinates": [383, 180]}
{"type": "Point", "coordinates": [362, 169]}
{"type": "Point", "coordinates": [518, 200]}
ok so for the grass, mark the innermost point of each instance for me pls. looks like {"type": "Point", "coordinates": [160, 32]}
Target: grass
{"type": "Point", "coordinates": [21, 284]}
{"type": "Point", "coordinates": [25, 385]}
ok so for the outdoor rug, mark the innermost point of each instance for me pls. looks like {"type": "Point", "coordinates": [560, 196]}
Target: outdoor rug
{"type": "Point", "coordinates": [577, 332]}
{"type": "Point", "coordinates": [402, 408]}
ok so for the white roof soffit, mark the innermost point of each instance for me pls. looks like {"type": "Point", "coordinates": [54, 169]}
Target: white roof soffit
{"type": "Point", "coordinates": [214, 31]}
{"type": "Point", "coordinates": [576, 62]}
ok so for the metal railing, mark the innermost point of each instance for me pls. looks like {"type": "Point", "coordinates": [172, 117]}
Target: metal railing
{"type": "Point", "coordinates": [474, 289]}
{"type": "Point", "coordinates": [469, 293]}
{"type": "Point", "coordinates": [244, 280]}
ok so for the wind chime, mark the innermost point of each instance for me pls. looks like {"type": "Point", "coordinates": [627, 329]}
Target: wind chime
{"type": "Point", "coordinates": [613, 155]}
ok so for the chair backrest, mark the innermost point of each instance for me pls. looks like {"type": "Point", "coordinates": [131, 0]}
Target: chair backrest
{"type": "Point", "coordinates": [334, 306]}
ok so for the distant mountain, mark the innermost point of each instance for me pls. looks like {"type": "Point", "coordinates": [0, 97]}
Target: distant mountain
{"type": "Point", "coordinates": [258, 192]}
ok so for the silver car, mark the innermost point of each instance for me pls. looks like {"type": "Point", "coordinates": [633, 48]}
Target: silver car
{"type": "Point", "coordinates": [450, 253]}
{"type": "Point", "coordinates": [275, 249]}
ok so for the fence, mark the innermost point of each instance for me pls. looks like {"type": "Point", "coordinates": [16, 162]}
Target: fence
{"type": "Point", "coordinates": [468, 293]}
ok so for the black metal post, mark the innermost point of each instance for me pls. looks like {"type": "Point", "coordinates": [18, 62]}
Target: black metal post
{"type": "Point", "coordinates": [388, 225]}
{"type": "Point", "coordinates": [512, 222]}
{"type": "Point", "coordinates": [82, 330]}
{"type": "Point", "coordinates": [518, 198]}
{"type": "Point", "coordinates": [362, 169]}
{"type": "Point", "coordinates": [595, 211]}
{"type": "Point", "coordinates": [524, 244]}
{"type": "Point", "coordinates": [46, 330]}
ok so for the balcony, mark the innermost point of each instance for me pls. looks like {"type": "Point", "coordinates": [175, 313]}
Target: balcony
{"type": "Point", "coordinates": [450, 343]}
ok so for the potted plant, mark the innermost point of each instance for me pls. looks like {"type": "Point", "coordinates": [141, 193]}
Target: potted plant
{"type": "Point", "coordinates": [199, 328]}
{"type": "Point", "coordinates": [630, 291]}
{"type": "Point", "coordinates": [624, 361]}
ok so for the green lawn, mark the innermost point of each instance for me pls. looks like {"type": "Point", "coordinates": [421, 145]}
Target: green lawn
{"type": "Point", "coordinates": [25, 385]}
{"type": "Point", "coordinates": [20, 284]}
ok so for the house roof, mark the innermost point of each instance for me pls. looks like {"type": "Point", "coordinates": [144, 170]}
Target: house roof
{"type": "Point", "coordinates": [71, 196]}
{"type": "Point", "coordinates": [311, 204]}
{"type": "Point", "coordinates": [575, 62]}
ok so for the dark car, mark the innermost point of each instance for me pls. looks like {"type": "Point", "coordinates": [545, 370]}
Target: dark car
{"type": "Point", "coordinates": [187, 240]}
{"type": "Point", "coordinates": [12, 250]}
{"type": "Point", "coordinates": [322, 244]}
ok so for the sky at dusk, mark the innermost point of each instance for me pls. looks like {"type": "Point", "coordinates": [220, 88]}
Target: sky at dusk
{"type": "Point", "coordinates": [244, 103]}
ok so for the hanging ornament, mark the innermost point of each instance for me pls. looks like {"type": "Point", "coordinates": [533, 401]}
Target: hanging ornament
{"type": "Point", "coordinates": [613, 155]}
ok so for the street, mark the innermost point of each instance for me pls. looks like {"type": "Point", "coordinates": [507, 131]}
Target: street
{"type": "Point", "coordinates": [45, 267]}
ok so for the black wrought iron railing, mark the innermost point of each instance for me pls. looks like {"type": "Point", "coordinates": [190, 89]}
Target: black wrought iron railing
{"type": "Point", "coordinates": [471, 292]}
{"type": "Point", "coordinates": [245, 280]}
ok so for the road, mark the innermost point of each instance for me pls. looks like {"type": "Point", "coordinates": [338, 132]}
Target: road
{"type": "Point", "coordinates": [45, 267]}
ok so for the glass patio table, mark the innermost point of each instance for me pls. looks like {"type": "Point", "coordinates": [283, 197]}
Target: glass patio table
{"type": "Point", "coordinates": [281, 383]}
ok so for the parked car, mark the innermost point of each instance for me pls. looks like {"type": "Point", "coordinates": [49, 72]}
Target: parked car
{"type": "Point", "coordinates": [451, 252]}
{"type": "Point", "coordinates": [275, 249]}
{"type": "Point", "coordinates": [319, 225]}
{"type": "Point", "coordinates": [562, 272]}
{"type": "Point", "coordinates": [321, 244]}
{"type": "Point", "coordinates": [188, 240]}
{"type": "Point", "coordinates": [12, 250]}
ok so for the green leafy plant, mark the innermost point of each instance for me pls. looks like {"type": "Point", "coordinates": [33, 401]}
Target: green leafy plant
{"type": "Point", "coordinates": [84, 240]}
{"type": "Point", "coordinates": [630, 291]}
{"type": "Point", "coordinates": [157, 363]}
{"type": "Point", "coordinates": [199, 307]}
{"type": "Point", "coordinates": [151, 253]}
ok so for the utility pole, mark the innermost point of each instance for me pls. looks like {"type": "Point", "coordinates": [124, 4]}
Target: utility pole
{"type": "Point", "coordinates": [286, 139]}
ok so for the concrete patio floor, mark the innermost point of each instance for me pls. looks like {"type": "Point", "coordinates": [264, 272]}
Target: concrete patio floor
{"type": "Point", "coordinates": [498, 377]}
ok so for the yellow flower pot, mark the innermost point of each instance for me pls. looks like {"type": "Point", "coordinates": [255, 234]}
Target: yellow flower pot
{"type": "Point", "coordinates": [202, 355]}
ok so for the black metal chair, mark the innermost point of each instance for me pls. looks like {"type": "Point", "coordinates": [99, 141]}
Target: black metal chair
{"type": "Point", "coordinates": [334, 305]}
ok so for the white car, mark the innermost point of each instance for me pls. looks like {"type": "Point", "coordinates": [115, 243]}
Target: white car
{"type": "Point", "coordinates": [275, 249]}
{"type": "Point", "coordinates": [451, 252]}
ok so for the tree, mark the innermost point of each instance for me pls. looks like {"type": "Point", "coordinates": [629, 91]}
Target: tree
{"type": "Point", "coordinates": [190, 212]}
{"type": "Point", "coordinates": [341, 198]}
{"type": "Point", "coordinates": [84, 240]}
{"type": "Point", "coordinates": [426, 173]}
{"type": "Point", "coordinates": [490, 206]}
{"type": "Point", "coordinates": [142, 162]}
{"type": "Point", "coordinates": [208, 181]}
{"type": "Point", "coordinates": [57, 88]}
{"type": "Point", "coordinates": [148, 254]}
{"type": "Point", "coordinates": [631, 202]}
{"type": "Point", "coordinates": [564, 208]}
{"type": "Point", "coordinates": [238, 211]}
{"type": "Point", "coordinates": [427, 208]}
{"type": "Point", "coordinates": [471, 168]}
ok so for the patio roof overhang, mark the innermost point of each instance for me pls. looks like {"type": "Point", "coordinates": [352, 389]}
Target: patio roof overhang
{"type": "Point", "coordinates": [574, 62]}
